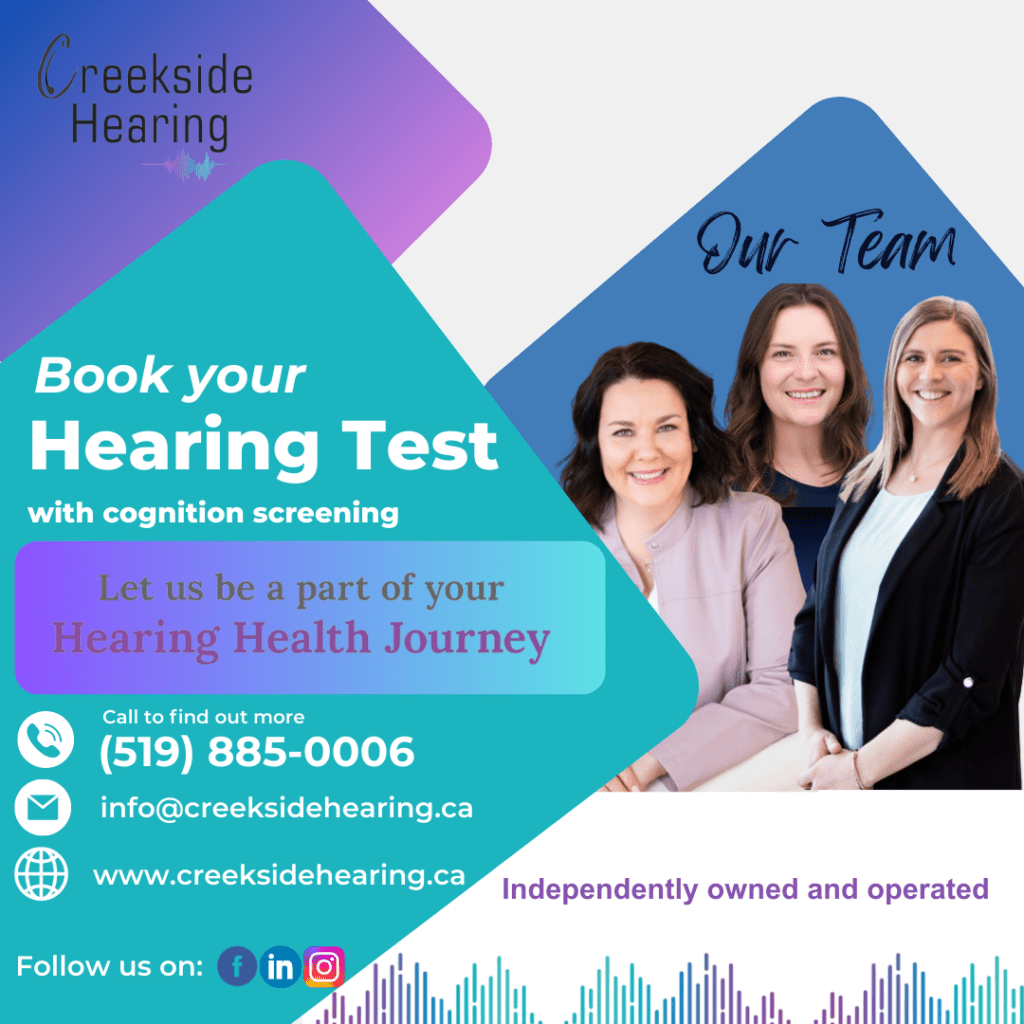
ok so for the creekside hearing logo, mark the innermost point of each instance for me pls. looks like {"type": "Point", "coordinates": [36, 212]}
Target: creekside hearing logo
{"type": "Point", "coordinates": [57, 75]}
{"type": "Point", "coordinates": [323, 966]}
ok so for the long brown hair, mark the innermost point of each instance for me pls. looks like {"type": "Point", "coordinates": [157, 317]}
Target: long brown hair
{"type": "Point", "coordinates": [749, 418]}
{"type": "Point", "coordinates": [713, 460]}
{"type": "Point", "coordinates": [981, 438]}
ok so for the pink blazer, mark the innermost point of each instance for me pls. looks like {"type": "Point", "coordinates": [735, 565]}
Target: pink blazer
{"type": "Point", "coordinates": [729, 588]}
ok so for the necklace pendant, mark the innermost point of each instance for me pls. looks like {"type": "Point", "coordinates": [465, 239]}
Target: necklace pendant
{"type": "Point", "coordinates": [913, 477]}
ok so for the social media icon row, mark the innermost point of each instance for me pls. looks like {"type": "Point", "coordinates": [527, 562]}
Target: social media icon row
{"type": "Point", "coordinates": [321, 966]}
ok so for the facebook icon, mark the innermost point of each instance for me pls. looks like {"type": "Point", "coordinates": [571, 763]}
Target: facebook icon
{"type": "Point", "coordinates": [237, 965]}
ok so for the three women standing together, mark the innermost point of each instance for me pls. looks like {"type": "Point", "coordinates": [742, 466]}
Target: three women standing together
{"type": "Point", "coordinates": [907, 652]}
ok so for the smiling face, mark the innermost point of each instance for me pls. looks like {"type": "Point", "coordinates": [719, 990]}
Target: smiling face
{"type": "Point", "coordinates": [938, 376]}
{"type": "Point", "coordinates": [644, 439]}
{"type": "Point", "coordinates": [802, 373]}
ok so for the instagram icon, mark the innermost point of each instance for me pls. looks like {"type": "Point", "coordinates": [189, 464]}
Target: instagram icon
{"type": "Point", "coordinates": [323, 966]}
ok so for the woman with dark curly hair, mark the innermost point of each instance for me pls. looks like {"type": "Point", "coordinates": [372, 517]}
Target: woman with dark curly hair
{"type": "Point", "coordinates": [649, 472]}
{"type": "Point", "coordinates": [798, 408]}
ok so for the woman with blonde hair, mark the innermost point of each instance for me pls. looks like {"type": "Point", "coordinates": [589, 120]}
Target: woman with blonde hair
{"type": "Point", "coordinates": [908, 654]}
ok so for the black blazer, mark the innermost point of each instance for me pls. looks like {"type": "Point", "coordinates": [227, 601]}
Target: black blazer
{"type": "Point", "coordinates": [946, 646]}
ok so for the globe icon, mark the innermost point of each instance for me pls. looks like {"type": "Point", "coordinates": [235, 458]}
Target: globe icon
{"type": "Point", "coordinates": [41, 873]}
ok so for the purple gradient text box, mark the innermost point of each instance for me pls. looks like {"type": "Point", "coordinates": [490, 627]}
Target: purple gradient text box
{"type": "Point", "coordinates": [86, 622]}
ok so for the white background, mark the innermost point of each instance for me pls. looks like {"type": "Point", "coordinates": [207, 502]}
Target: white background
{"type": "Point", "coordinates": [802, 950]}
{"type": "Point", "coordinates": [609, 121]}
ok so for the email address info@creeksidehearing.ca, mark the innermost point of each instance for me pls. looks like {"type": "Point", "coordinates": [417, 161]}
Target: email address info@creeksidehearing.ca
{"type": "Point", "coordinates": [412, 879]}
{"type": "Point", "coordinates": [171, 809]}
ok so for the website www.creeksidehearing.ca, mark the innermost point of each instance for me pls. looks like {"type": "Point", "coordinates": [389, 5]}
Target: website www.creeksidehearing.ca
{"type": "Point", "coordinates": [413, 879]}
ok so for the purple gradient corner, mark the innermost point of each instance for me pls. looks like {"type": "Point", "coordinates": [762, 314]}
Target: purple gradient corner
{"type": "Point", "coordinates": [334, 86]}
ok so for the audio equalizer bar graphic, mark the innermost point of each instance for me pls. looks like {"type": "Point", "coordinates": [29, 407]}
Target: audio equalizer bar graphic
{"type": "Point", "coordinates": [185, 167]}
{"type": "Point", "coordinates": [707, 996]}
{"type": "Point", "coordinates": [903, 999]}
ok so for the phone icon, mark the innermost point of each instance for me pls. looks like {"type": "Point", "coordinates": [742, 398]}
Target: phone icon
{"type": "Point", "coordinates": [45, 739]}
{"type": "Point", "coordinates": [43, 745]}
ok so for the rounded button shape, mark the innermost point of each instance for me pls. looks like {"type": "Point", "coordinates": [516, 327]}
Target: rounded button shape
{"type": "Point", "coordinates": [42, 807]}
{"type": "Point", "coordinates": [654, 545]}
{"type": "Point", "coordinates": [45, 739]}
{"type": "Point", "coordinates": [968, 682]}
{"type": "Point", "coordinates": [280, 966]}
{"type": "Point", "coordinates": [237, 965]}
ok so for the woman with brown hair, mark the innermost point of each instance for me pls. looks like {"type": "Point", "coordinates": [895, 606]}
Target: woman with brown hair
{"type": "Point", "coordinates": [909, 651]}
{"type": "Point", "coordinates": [798, 408]}
{"type": "Point", "coordinates": [649, 472]}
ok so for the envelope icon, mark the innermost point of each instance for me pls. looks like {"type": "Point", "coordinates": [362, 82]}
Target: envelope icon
{"type": "Point", "coordinates": [42, 807]}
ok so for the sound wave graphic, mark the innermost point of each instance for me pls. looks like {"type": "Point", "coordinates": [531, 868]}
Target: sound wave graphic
{"type": "Point", "coordinates": [894, 995]}
{"type": "Point", "coordinates": [185, 167]}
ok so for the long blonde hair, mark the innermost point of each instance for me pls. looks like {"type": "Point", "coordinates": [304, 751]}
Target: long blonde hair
{"type": "Point", "coordinates": [981, 437]}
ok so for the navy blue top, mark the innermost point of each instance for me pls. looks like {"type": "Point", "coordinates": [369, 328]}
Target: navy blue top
{"type": "Point", "coordinates": [807, 518]}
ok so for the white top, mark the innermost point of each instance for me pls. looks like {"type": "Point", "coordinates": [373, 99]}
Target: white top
{"type": "Point", "coordinates": [863, 564]}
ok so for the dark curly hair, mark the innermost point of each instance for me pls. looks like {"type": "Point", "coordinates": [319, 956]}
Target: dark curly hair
{"type": "Point", "coordinates": [714, 460]}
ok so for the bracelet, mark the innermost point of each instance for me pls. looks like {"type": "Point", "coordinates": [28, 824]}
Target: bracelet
{"type": "Point", "coordinates": [856, 772]}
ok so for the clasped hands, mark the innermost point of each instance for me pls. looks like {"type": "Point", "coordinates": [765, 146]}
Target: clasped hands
{"type": "Point", "coordinates": [829, 764]}
{"type": "Point", "coordinates": [637, 777]}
